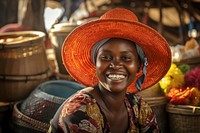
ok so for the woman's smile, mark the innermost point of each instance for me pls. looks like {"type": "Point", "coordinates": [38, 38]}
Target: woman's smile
{"type": "Point", "coordinates": [116, 77]}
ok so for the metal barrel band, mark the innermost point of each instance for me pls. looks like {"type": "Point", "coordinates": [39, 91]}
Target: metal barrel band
{"type": "Point", "coordinates": [38, 76]}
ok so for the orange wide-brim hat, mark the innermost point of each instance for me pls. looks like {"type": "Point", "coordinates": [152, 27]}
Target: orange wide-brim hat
{"type": "Point", "coordinates": [115, 23]}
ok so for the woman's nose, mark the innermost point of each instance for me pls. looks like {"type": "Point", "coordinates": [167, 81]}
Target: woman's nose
{"type": "Point", "coordinates": [115, 65]}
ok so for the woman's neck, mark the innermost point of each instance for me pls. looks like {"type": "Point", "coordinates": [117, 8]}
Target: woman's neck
{"type": "Point", "coordinates": [114, 102]}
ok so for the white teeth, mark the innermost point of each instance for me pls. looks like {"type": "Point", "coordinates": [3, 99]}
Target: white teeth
{"type": "Point", "coordinates": [116, 77]}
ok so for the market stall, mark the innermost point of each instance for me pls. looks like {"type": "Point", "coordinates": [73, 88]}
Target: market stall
{"type": "Point", "coordinates": [31, 67]}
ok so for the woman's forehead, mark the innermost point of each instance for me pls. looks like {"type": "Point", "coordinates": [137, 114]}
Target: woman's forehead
{"type": "Point", "coordinates": [121, 44]}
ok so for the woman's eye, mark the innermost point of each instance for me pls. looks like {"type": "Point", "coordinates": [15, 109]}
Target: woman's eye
{"type": "Point", "coordinates": [126, 58]}
{"type": "Point", "coordinates": [106, 58]}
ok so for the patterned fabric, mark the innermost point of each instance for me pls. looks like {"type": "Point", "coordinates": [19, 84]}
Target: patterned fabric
{"type": "Point", "coordinates": [81, 114]}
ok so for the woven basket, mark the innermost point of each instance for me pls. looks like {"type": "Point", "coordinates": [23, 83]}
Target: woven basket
{"type": "Point", "coordinates": [183, 118]}
{"type": "Point", "coordinates": [22, 123]}
{"type": "Point", "coordinates": [33, 114]}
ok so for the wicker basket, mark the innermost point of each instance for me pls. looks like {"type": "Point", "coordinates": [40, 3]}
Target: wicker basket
{"type": "Point", "coordinates": [33, 114]}
{"type": "Point", "coordinates": [183, 118]}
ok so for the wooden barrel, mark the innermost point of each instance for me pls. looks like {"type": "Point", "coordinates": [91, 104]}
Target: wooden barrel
{"type": "Point", "coordinates": [57, 37]}
{"type": "Point", "coordinates": [24, 64]}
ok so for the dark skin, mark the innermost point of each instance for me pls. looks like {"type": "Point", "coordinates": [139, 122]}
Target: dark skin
{"type": "Point", "coordinates": [116, 66]}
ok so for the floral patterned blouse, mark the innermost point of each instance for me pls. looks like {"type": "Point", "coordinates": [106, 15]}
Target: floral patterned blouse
{"type": "Point", "coordinates": [81, 114]}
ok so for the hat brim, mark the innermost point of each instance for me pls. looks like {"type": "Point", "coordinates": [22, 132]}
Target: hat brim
{"type": "Point", "coordinates": [76, 49]}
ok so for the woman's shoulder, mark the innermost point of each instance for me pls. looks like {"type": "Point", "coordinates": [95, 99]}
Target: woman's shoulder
{"type": "Point", "coordinates": [79, 109]}
{"type": "Point", "coordinates": [79, 100]}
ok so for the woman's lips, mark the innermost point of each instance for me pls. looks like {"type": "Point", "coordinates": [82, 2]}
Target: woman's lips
{"type": "Point", "coordinates": [116, 77]}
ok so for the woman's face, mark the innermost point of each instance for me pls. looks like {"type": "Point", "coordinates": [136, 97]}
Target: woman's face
{"type": "Point", "coordinates": [117, 64]}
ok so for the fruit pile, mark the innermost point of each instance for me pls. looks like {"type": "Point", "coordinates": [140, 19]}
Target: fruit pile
{"type": "Point", "coordinates": [182, 85]}
{"type": "Point", "coordinates": [184, 96]}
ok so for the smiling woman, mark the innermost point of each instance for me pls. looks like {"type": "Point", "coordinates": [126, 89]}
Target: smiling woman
{"type": "Point", "coordinates": [117, 64]}
{"type": "Point", "coordinates": [115, 56]}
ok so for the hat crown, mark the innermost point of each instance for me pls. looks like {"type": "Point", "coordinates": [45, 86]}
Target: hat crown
{"type": "Point", "coordinates": [120, 14]}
